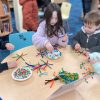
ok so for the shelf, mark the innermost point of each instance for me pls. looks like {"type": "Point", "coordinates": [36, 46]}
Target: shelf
{"type": "Point", "coordinates": [5, 16]}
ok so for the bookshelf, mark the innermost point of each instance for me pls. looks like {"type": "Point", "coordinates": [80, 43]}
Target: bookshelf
{"type": "Point", "coordinates": [5, 16]}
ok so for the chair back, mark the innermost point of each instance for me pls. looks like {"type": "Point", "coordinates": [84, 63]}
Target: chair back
{"type": "Point", "coordinates": [65, 10]}
{"type": "Point", "coordinates": [21, 40]}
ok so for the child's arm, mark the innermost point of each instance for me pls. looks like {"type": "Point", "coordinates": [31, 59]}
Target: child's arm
{"type": "Point", "coordinates": [39, 39]}
{"type": "Point", "coordinates": [63, 41]}
{"type": "Point", "coordinates": [77, 47]}
{"type": "Point", "coordinates": [95, 49]}
{"type": "Point", "coordinates": [62, 37]}
{"type": "Point", "coordinates": [3, 44]}
{"type": "Point", "coordinates": [76, 40]}
{"type": "Point", "coordinates": [49, 47]}
{"type": "Point", "coordinates": [9, 46]}
{"type": "Point", "coordinates": [7, 65]}
{"type": "Point", "coordinates": [3, 66]}
{"type": "Point", "coordinates": [6, 45]}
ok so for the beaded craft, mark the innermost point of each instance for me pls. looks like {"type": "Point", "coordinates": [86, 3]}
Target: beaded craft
{"type": "Point", "coordinates": [54, 55]}
{"type": "Point", "coordinates": [65, 77]}
{"type": "Point", "coordinates": [21, 74]}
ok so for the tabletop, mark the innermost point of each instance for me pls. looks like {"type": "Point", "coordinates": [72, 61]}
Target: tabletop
{"type": "Point", "coordinates": [35, 89]}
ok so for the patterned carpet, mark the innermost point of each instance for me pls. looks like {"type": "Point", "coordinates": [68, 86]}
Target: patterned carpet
{"type": "Point", "coordinates": [75, 22]}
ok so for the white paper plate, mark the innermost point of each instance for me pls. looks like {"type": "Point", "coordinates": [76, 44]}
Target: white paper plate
{"type": "Point", "coordinates": [27, 73]}
{"type": "Point", "coordinates": [54, 55]}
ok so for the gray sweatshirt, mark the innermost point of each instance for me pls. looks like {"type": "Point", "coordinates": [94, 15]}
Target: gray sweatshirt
{"type": "Point", "coordinates": [40, 38]}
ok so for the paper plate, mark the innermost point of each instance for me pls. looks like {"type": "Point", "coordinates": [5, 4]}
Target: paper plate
{"type": "Point", "coordinates": [21, 74]}
{"type": "Point", "coordinates": [54, 55]}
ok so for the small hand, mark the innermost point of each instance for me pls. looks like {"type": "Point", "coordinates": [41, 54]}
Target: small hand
{"type": "Point", "coordinates": [9, 46]}
{"type": "Point", "coordinates": [49, 47]}
{"type": "Point", "coordinates": [77, 47]}
{"type": "Point", "coordinates": [65, 38]}
{"type": "Point", "coordinates": [12, 64]}
{"type": "Point", "coordinates": [86, 54]}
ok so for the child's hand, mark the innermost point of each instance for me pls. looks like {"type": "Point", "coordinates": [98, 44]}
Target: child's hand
{"type": "Point", "coordinates": [77, 47]}
{"type": "Point", "coordinates": [65, 38]}
{"type": "Point", "coordinates": [9, 46]}
{"type": "Point", "coordinates": [86, 54]}
{"type": "Point", "coordinates": [49, 47]}
{"type": "Point", "coordinates": [12, 64]}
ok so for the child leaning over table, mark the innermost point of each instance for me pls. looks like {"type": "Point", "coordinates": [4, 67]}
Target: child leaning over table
{"type": "Point", "coordinates": [89, 35]}
{"type": "Point", "coordinates": [50, 31]}
{"type": "Point", "coordinates": [8, 46]}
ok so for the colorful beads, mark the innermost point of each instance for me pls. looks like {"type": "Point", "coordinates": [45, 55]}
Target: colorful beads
{"type": "Point", "coordinates": [68, 77]}
{"type": "Point", "coordinates": [54, 55]}
{"type": "Point", "coordinates": [22, 74]}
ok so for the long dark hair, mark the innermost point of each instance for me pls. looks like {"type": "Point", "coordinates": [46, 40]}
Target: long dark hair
{"type": "Point", "coordinates": [53, 30]}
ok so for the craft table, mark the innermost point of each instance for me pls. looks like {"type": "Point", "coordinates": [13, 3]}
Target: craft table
{"type": "Point", "coordinates": [35, 89]}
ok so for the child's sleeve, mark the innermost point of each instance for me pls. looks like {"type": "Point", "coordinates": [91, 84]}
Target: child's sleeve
{"type": "Point", "coordinates": [2, 44]}
{"type": "Point", "coordinates": [3, 66]}
{"type": "Point", "coordinates": [76, 39]}
{"type": "Point", "coordinates": [39, 39]}
{"type": "Point", "coordinates": [61, 42]}
{"type": "Point", "coordinates": [97, 47]}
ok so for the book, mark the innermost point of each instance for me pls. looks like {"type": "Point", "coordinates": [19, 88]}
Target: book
{"type": "Point", "coordinates": [6, 27]}
{"type": "Point", "coordinates": [5, 9]}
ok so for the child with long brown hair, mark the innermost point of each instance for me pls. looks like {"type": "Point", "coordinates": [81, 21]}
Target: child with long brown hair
{"type": "Point", "coordinates": [50, 31]}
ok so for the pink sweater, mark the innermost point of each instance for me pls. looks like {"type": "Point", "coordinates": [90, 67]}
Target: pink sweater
{"type": "Point", "coordinates": [40, 38]}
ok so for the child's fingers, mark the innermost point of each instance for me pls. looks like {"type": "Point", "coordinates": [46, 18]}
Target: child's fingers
{"type": "Point", "coordinates": [51, 49]}
{"type": "Point", "coordinates": [77, 47]}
